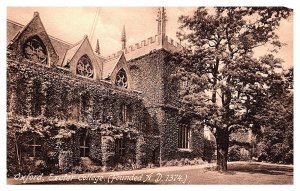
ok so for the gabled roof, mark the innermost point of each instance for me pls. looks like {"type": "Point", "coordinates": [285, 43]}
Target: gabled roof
{"type": "Point", "coordinates": [12, 29]}
{"type": "Point", "coordinates": [72, 51]}
{"type": "Point", "coordinates": [59, 45]}
{"type": "Point", "coordinates": [34, 27]}
{"type": "Point", "coordinates": [109, 66]}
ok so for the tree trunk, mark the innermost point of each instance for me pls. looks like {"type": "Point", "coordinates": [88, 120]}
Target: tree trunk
{"type": "Point", "coordinates": [222, 139]}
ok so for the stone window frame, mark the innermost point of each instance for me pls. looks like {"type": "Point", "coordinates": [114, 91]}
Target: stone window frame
{"type": "Point", "coordinates": [184, 137]}
{"type": "Point", "coordinates": [37, 48]}
{"type": "Point", "coordinates": [122, 79]}
{"type": "Point", "coordinates": [36, 143]}
{"type": "Point", "coordinates": [119, 147]}
{"type": "Point", "coordinates": [84, 144]}
{"type": "Point", "coordinates": [85, 61]}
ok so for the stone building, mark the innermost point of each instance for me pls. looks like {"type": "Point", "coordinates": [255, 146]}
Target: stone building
{"type": "Point", "coordinates": [66, 103]}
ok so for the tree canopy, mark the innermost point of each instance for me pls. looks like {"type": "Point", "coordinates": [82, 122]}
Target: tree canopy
{"type": "Point", "coordinates": [226, 82]}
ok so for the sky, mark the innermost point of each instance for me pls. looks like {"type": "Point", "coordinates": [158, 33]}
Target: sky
{"type": "Point", "coordinates": [72, 23]}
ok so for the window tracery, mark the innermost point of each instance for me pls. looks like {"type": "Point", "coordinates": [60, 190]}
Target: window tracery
{"type": "Point", "coordinates": [121, 79]}
{"type": "Point", "coordinates": [35, 50]}
{"type": "Point", "coordinates": [85, 67]}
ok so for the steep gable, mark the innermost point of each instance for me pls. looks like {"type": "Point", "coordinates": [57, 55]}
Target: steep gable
{"type": "Point", "coordinates": [78, 51]}
{"type": "Point", "coordinates": [34, 29]}
{"type": "Point", "coordinates": [109, 66]}
{"type": "Point", "coordinates": [121, 65]}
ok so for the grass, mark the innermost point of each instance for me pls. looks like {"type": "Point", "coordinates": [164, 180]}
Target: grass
{"type": "Point", "coordinates": [244, 173]}
{"type": "Point", "coordinates": [238, 173]}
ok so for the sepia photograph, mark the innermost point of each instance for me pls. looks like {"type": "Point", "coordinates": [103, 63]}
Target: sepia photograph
{"type": "Point", "coordinates": [158, 95]}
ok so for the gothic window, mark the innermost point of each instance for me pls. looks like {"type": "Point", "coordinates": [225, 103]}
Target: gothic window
{"type": "Point", "coordinates": [184, 137]}
{"type": "Point", "coordinates": [121, 79]}
{"type": "Point", "coordinates": [119, 147]}
{"type": "Point", "coordinates": [84, 144]}
{"type": "Point", "coordinates": [35, 50]}
{"type": "Point", "coordinates": [33, 147]}
{"type": "Point", "coordinates": [85, 67]}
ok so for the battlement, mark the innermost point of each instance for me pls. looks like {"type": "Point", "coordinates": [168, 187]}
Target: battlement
{"type": "Point", "coordinates": [172, 45]}
{"type": "Point", "coordinates": [146, 46]}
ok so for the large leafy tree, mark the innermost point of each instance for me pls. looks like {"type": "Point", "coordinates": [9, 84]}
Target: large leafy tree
{"type": "Point", "coordinates": [226, 83]}
{"type": "Point", "coordinates": [275, 143]}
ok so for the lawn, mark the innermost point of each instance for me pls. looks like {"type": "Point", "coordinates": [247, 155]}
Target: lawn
{"type": "Point", "coordinates": [238, 173]}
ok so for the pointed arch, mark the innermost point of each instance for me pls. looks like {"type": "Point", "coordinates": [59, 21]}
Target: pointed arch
{"type": "Point", "coordinates": [34, 50]}
{"type": "Point", "coordinates": [121, 79]}
{"type": "Point", "coordinates": [84, 67]}
{"type": "Point", "coordinates": [32, 42]}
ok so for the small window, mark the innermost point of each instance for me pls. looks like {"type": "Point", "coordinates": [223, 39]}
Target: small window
{"type": "Point", "coordinates": [85, 144]}
{"type": "Point", "coordinates": [33, 147]}
{"type": "Point", "coordinates": [85, 67]}
{"type": "Point", "coordinates": [119, 147]}
{"type": "Point", "coordinates": [121, 79]}
{"type": "Point", "coordinates": [184, 137]}
{"type": "Point", "coordinates": [35, 51]}
{"type": "Point", "coordinates": [126, 113]}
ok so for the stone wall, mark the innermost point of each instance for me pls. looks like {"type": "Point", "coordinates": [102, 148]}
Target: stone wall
{"type": "Point", "coordinates": [151, 75]}
{"type": "Point", "coordinates": [147, 75]}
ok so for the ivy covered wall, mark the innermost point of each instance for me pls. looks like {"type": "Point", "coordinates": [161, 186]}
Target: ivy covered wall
{"type": "Point", "coordinates": [151, 74]}
{"type": "Point", "coordinates": [57, 106]}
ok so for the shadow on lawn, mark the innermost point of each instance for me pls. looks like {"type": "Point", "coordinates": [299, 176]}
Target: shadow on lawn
{"type": "Point", "coordinates": [256, 169]}
{"type": "Point", "coordinates": [260, 169]}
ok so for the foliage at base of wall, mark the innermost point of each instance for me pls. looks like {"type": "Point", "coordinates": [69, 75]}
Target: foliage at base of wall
{"type": "Point", "coordinates": [60, 142]}
{"type": "Point", "coordinates": [147, 150]}
{"type": "Point", "coordinates": [209, 150]}
{"type": "Point", "coordinates": [183, 162]}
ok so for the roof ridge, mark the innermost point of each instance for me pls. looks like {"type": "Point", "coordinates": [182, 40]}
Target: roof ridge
{"type": "Point", "coordinates": [50, 36]}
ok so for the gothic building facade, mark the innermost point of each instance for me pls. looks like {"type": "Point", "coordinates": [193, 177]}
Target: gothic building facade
{"type": "Point", "coordinates": [66, 103]}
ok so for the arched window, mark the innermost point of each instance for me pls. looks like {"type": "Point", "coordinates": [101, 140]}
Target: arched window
{"type": "Point", "coordinates": [35, 50]}
{"type": "Point", "coordinates": [121, 79]}
{"type": "Point", "coordinates": [85, 67]}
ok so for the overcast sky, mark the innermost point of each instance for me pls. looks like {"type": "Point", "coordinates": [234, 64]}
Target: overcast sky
{"type": "Point", "coordinates": [71, 24]}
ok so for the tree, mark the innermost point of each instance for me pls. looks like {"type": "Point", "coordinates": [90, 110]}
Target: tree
{"type": "Point", "coordinates": [228, 83]}
{"type": "Point", "coordinates": [276, 119]}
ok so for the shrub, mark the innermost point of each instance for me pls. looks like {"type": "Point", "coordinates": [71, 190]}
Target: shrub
{"type": "Point", "coordinates": [65, 161]}
{"type": "Point", "coordinates": [198, 161]}
{"type": "Point", "coordinates": [209, 150]}
{"type": "Point", "coordinates": [234, 154]}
